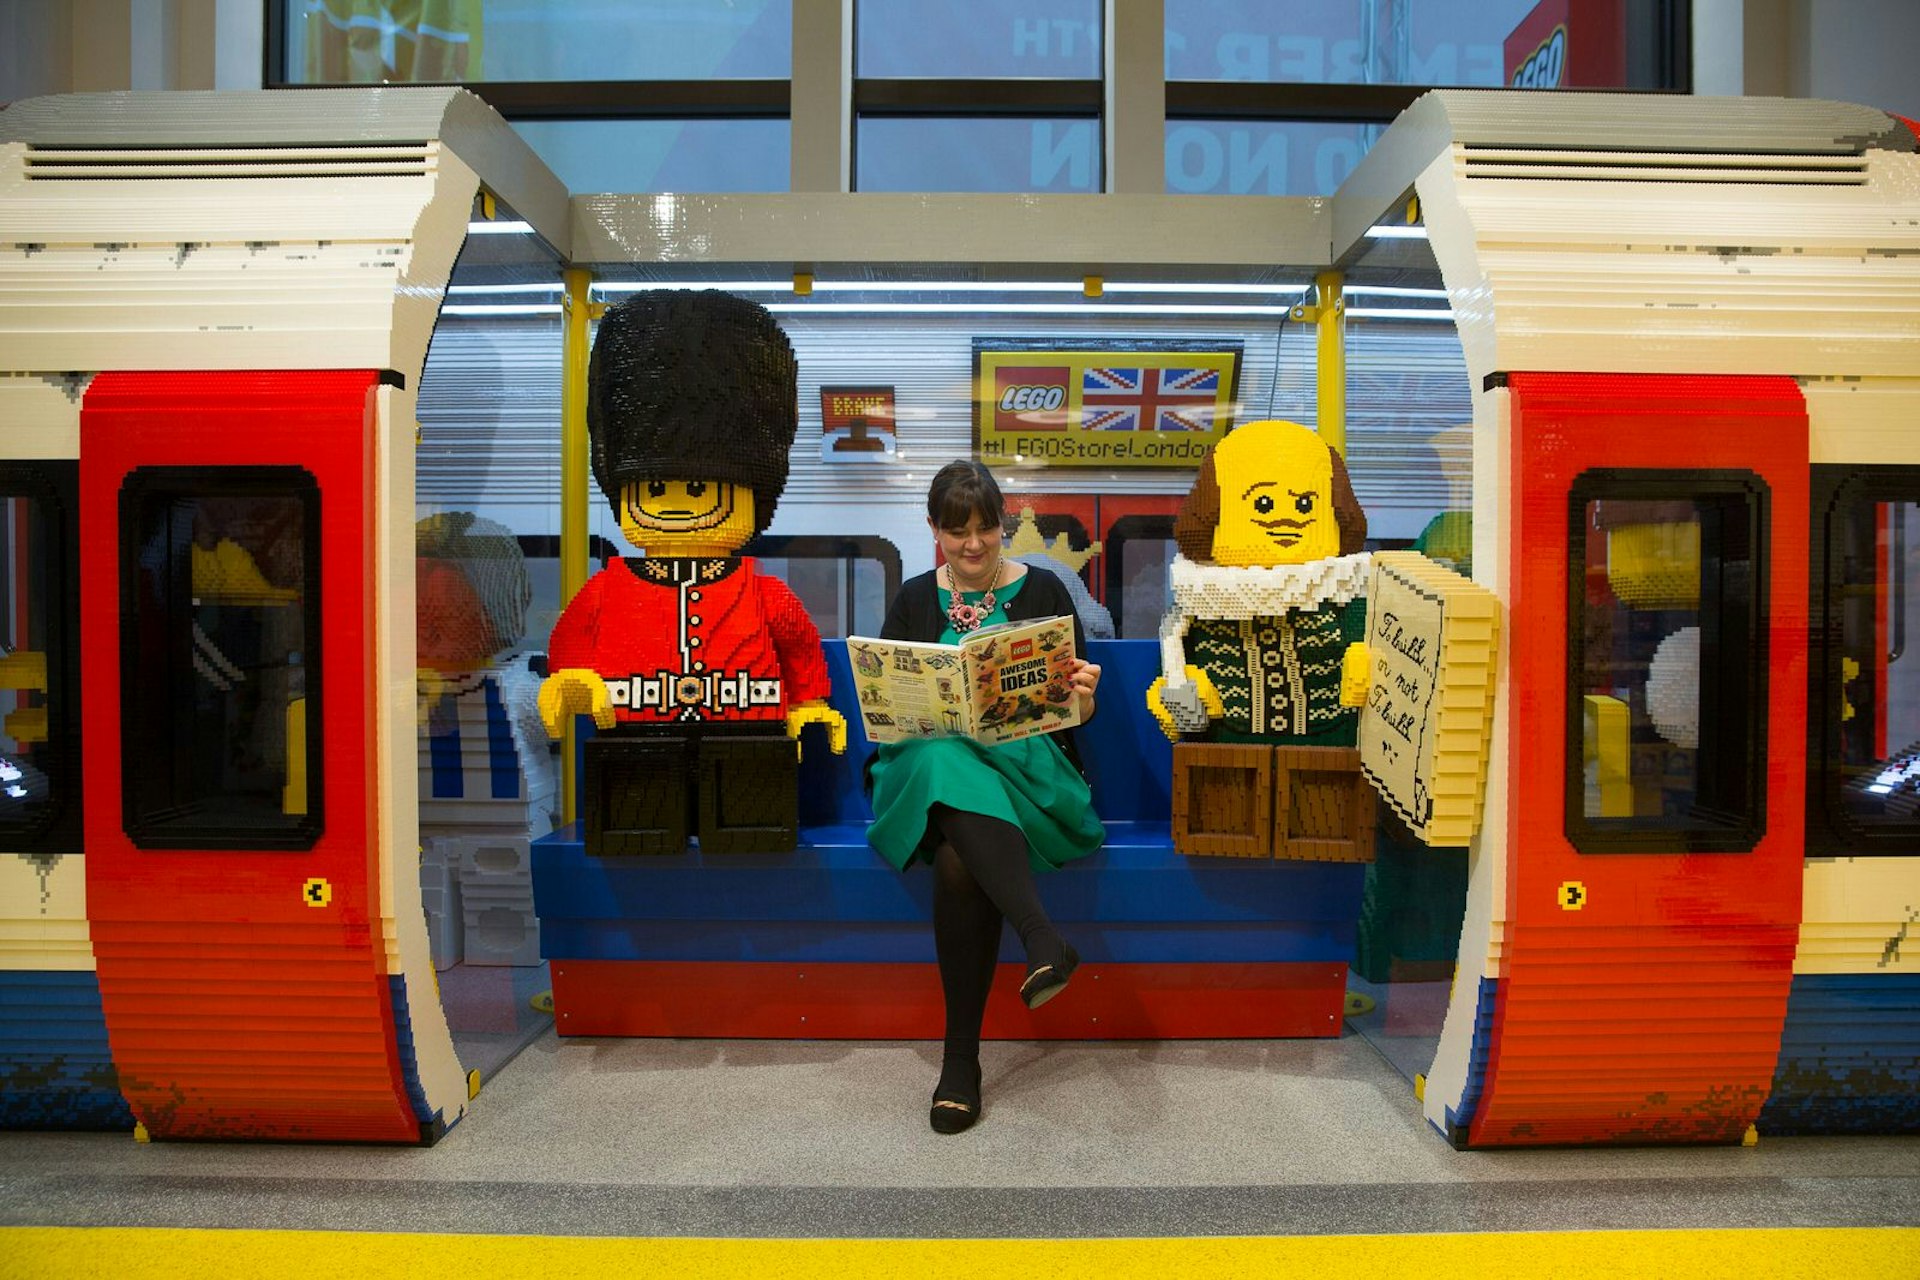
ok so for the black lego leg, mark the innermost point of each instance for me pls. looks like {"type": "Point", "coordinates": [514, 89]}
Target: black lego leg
{"type": "Point", "coordinates": [749, 794]}
{"type": "Point", "coordinates": [636, 795]}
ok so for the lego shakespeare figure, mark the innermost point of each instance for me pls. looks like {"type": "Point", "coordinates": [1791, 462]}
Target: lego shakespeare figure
{"type": "Point", "coordinates": [1263, 668]}
{"type": "Point", "coordinates": [698, 670]}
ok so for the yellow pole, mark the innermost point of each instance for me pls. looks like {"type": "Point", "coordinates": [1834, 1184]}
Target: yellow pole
{"type": "Point", "coordinates": [1332, 360]}
{"type": "Point", "coordinates": [573, 481]}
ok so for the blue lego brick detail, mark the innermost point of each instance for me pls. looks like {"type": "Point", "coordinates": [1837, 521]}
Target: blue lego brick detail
{"type": "Point", "coordinates": [56, 1069]}
{"type": "Point", "coordinates": [1479, 1055]}
{"type": "Point", "coordinates": [835, 899]}
{"type": "Point", "coordinates": [1849, 1056]}
{"type": "Point", "coordinates": [503, 764]}
{"type": "Point", "coordinates": [409, 1065]}
{"type": "Point", "coordinates": [443, 751]}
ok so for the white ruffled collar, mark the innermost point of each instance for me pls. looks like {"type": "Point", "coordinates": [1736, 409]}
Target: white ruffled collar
{"type": "Point", "coordinates": [1255, 591]}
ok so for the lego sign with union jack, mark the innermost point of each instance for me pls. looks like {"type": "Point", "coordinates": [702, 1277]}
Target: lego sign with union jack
{"type": "Point", "coordinates": [1132, 404]}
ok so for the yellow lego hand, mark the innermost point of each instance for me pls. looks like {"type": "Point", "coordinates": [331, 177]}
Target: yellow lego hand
{"type": "Point", "coordinates": [24, 669]}
{"type": "Point", "coordinates": [817, 712]}
{"type": "Point", "coordinates": [1353, 674]}
{"type": "Point", "coordinates": [568, 693]}
{"type": "Point", "coordinates": [1186, 707]}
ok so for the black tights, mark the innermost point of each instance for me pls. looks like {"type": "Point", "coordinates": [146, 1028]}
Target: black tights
{"type": "Point", "coordinates": [981, 877]}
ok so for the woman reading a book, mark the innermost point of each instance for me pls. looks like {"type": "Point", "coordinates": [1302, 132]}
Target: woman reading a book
{"type": "Point", "coordinates": [986, 817]}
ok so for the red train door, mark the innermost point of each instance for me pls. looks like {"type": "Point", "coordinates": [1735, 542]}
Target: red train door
{"type": "Point", "coordinates": [232, 873]}
{"type": "Point", "coordinates": [1656, 757]}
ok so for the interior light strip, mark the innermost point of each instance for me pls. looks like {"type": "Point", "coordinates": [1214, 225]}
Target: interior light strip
{"type": "Point", "coordinates": [1397, 233]}
{"type": "Point", "coordinates": [503, 309]}
{"type": "Point", "coordinates": [505, 227]}
{"type": "Point", "coordinates": [990, 308]}
{"type": "Point", "coordinates": [1148, 287]}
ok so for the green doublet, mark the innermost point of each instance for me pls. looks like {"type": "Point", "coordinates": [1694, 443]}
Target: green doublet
{"type": "Point", "coordinates": [1279, 675]}
{"type": "Point", "coordinates": [1029, 783]}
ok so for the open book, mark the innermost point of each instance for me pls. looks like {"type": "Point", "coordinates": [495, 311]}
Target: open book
{"type": "Point", "coordinates": [997, 685]}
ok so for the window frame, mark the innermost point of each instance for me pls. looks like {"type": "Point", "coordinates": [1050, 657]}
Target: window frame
{"type": "Point", "coordinates": [145, 703]}
{"type": "Point", "coordinates": [56, 484]}
{"type": "Point", "coordinates": [1741, 830]}
{"type": "Point", "coordinates": [1832, 831]}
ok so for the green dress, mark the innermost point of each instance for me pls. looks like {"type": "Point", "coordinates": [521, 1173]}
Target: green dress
{"type": "Point", "coordinates": [1029, 783]}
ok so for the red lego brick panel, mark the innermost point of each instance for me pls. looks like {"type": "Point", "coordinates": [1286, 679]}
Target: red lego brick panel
{"type": "Point", "coordinates": [903, 1001]}
{"type": "Point", "coordinates": [1648, 1010]}
{"type": "Point", "coordinates": [245, 990]}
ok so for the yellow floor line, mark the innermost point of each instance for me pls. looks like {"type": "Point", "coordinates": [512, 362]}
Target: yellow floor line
{"type": "Point", "coordinates": [132, 1253]}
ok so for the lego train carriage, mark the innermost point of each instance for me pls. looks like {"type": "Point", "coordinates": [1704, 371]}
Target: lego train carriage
{"type": "Point", "coordinates": [256, 967]}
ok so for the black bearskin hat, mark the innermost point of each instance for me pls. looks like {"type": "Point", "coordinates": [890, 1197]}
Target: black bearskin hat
{"type": "Point", "coordinates": [692, 386]}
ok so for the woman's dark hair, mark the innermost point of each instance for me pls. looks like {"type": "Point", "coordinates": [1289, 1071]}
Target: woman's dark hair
{"type": "Point", "coordinates": [962, 490]}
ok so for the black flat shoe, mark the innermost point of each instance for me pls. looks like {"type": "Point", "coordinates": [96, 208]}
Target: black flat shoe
{"type": "Point", "coordinates": [955, 1107]}
{"type": "Point", "coordinates": [1046, 981]}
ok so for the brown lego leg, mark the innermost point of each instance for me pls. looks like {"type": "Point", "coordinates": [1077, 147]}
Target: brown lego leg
{"type": "Point", "coordinates": [1323, 806]}
{"type": "Point", "coordinates": [1222, 799]}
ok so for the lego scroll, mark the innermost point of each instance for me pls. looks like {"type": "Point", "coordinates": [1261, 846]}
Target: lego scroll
{"type": "Point", "coordinates": [1431, 637]}
{"type": "Point", "coordinates": [1141, 403]}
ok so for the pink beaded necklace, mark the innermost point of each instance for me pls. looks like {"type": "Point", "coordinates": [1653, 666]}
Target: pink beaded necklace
{"type": "Point", "coordinates": [965, 617]}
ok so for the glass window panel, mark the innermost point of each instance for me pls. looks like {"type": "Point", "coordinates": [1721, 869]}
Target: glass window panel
{"type": "Point", "coordinates": [29, 778]}
{"type": "Point", "coordinates": [1146, 586]}
{"type": "Point", "coordinates": [1879, 757]}
{"type": "Point", "coordinates": [1263, 157]}
{"type": "Point", "coordinates": [1054, 39]}
{"type": "Point", "coordinates": [844, 590]}
{"type": "Point", "coordinates": [378, 41]}
{"type": "Point", "coordinates": [1667, 704]}
{"type": "Point", "coordinates": [219, 657]}
{"type": "Point", "coordinates": [664, 155]}
{"type": "Point", "coordinates": [1417, 42]}
{"type": "Point", "coordinates": [985, 154]}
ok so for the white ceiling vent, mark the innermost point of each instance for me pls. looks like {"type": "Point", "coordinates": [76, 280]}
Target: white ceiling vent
{"type": "Point", "coordinates": [72, 164]}
{"type": "Point", "coordinates": [1780, 169]}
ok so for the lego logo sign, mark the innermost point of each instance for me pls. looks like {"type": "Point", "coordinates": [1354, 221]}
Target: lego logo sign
{"type": "Point", "coordinates": [1546, 65]}
{"type": "Point", "coordinates": [1022, 399]}
{"type": "Point", "coordinates": [1030, 397]}
{"type": "Point", "coordinates": [1020, 649]}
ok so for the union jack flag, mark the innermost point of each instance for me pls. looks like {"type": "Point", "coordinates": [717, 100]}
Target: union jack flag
{"type": "Point", "coordinates": [1149, 399]}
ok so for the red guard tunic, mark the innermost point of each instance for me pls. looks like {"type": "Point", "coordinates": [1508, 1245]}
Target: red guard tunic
{"type": "Point", "coordinates": [681, 641]}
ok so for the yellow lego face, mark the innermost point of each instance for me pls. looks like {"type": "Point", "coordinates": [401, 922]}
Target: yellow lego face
{"type": "Point", "coordinates": [686, 517]}
{"type": "Point", "coordinates": [1276, 496]}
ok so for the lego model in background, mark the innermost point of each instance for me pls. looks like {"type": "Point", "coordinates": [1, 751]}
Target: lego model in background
{"type": "Point", "coordinates": [486, 765]}
{"type": "Point", "coordinates": [1263, 658]}
{"type": "Point", "coordinates": [857, 424]}
{"type": "Point", "coordinates": [699, 671]}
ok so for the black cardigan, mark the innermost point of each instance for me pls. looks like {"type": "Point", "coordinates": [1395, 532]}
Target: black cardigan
{"type": "Point", "coordinates": [916, 615]}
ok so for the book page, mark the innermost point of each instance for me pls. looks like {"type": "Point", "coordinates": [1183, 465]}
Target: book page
{"type": "Point", "coordinates": [909, 690]}
{"type": "Point", "coordinates": [1019, 675]}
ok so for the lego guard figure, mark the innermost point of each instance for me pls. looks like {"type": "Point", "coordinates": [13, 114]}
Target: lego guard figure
{"type": "Point", "coordinates": [699, 670]}
{"type": "Point", "coordinates": [1264, 665]}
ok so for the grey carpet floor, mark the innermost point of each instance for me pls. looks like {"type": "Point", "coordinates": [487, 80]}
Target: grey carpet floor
{"type": "Point", "coordinates": [764, 1138]}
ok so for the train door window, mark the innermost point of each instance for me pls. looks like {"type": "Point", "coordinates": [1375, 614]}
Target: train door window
{"type": "Point", "coordinates": [1139, 553]}
{"type": "Point", "coordinates": [39, 731]}
{"type": "Point", "coordinates": [845, 583]}
{"type": "Point", "coordinates": [1863, 706]}
{"type": "Point", "coordinates": [220, 657]}
{"type": "Point", "coordinates": [1666, 725]}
